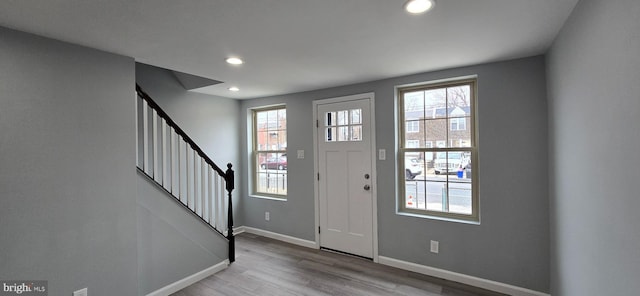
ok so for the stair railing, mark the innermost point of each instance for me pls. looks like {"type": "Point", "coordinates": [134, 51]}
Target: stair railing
{"type": "Point", "coordinates": [169, 157]}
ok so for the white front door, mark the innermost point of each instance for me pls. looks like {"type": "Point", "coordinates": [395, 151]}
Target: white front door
{"type": "Point", "coordinates": [345, 181]}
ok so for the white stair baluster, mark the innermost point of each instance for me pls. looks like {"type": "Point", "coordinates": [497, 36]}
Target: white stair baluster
{"type": "Point", "coordinates": [175, 169]}
{"type": "Point", "coordinates": [157, 172]}
{"type": "Point", "coordinates": [210, 195]}
{"type": "Point", "coordinates": [145, 134]}
{"type": "Point", "coordinates": [197, 188]}
{"type": "Point", "coordinates": [138, 144]}
{"type": "Point", "coordinates": [184, 196]}
{"type": "Point", "coordinates": [203, 189]}
{"type": "Point", "coordinates": [166, 157]}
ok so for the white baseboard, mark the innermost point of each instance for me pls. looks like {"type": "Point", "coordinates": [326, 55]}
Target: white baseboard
{"type": "Point", "coordinates": [238, 230]}
{"type": "Point", "coordinates": [281, 237]}
{"type": "Point", "coordinates": [460, 278]}
{"type": "Point", "coordinates": [185, 282]}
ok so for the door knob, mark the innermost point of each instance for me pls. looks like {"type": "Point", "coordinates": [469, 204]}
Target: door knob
{"type": "Point", "coordinates": [367, 187]}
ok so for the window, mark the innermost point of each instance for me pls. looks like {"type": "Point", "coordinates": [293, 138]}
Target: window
{"type": "Point", "coordinates": [458, 124]}
{"type": "Point", "coordinates": [413, 143]}
{"type": "Point", "coordinates": [447, 185]}
{"type": "Point", "coordinates": [270, 152]}
{"type": "Point", "coordinates": [413, 126]}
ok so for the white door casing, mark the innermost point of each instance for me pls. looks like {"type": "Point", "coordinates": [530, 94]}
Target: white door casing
{"type": "Point", "coordinates": [346, 183]}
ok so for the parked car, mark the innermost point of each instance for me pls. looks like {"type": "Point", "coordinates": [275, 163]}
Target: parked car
{"type": "Point", "coordinates": [412, 168]}
{"type": "Point", "coordinates": [274, 163]}
{"type": "Point", "coordinates": [456, 161]}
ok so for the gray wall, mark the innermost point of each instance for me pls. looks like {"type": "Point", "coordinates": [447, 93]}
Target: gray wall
{"type": "Point", "coordinates": [67, 174]}
{"type": "Point", "coordinates": [172, 242]}
{"type": "Point", "coordinates": [511, 245]}
{"type": "Point", "coordinates": [212, 122]}
{"type": "Point", "coordinates": [594, 103]}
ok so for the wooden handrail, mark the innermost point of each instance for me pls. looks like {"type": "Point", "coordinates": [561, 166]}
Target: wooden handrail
{"type": "Point", "coordinates": [178, 130]}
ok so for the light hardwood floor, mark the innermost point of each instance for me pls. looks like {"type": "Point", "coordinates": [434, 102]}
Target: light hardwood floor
{"type": "Point", "coordinates": [269, 267]}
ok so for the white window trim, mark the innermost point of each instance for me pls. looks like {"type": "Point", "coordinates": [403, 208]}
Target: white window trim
{"type": "Point", "coordinates": [400, 206]}
{"type": "Point", "coordinates": [251, 165]}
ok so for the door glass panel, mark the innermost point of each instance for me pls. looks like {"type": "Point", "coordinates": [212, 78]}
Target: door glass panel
{"type": "Point", "coordinates": [355, 133]}
{"type": "Point", "coordinates": [355, 116]}
{"type": "Point", "coordinates": [343, 117]}
{"type": "Point", "coordinates": [343, 125]}
{"type": "Point", "coordinates": [343, 133]}
{"type": "Point", "coordinates": [330, 119]}
{"type": "Point", "coordinates": [330, 134]}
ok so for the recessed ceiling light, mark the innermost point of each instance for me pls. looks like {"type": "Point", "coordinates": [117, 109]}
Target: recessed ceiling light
{"type": "Point", "coordinates": [419, 6]}
{"type": "Point", "coordinates": [234, 88]}
{"type": "Point", "coordinates": [234, 61]}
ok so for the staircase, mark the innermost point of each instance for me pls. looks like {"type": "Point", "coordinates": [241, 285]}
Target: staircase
{"type": "Point", "coordinates": [171, 159]}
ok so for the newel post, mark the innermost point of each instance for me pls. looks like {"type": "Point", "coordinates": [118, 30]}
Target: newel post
{"type": "Point", "coordinates": [229, 178]}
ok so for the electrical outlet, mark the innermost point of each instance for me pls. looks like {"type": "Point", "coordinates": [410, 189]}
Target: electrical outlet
{"type": "Point", "coordinates": [382, 154]}
{"type": "Point", "coordinates": [300, 154]}
{"type": "Point", "coordinates": [435, 246]}
{"type": "Point", "coordinates": [82, 292]}
{"type": "Point", "coordinates": [266, 216]}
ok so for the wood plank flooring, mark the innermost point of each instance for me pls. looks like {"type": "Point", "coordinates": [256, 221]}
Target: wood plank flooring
{"type": "Point", "coordinates": [269, 267]}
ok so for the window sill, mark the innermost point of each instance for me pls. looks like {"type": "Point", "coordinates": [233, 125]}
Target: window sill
{"type": "Point", "coordinates": [284, 198]}
{"type": "Point", "coordinates": [431, 217]}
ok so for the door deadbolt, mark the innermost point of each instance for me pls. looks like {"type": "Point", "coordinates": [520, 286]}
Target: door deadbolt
{"type": "Point", "coordinates": [366, 176]}
{"type": "Point", "coordinates": [367, 187]}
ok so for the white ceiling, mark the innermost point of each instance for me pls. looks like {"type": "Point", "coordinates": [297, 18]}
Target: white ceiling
{"type": "Point", "coordinates": [296, 45]}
